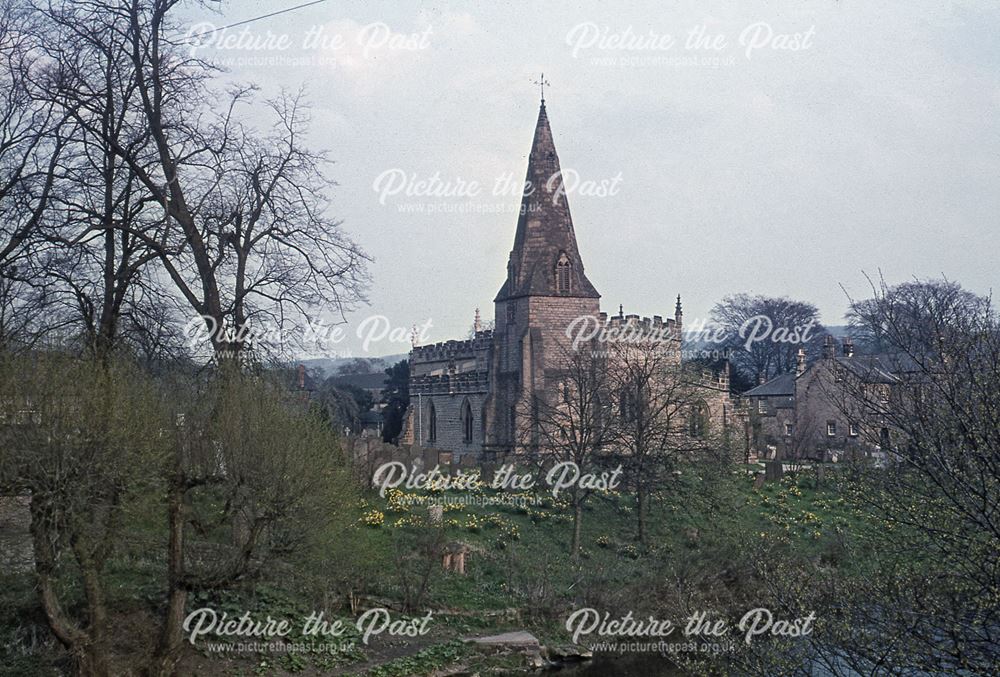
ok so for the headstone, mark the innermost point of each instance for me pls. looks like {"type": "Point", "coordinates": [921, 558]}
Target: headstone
{"type": "Point", "coordinates": [453, 558]}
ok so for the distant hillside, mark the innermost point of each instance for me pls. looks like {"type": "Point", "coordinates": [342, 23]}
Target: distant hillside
{"type": "Point", "coordinates": [353, 365]}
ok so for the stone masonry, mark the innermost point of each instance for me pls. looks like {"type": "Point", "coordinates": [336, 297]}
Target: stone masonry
{"type": "Point", "coordinates": [473, 395]}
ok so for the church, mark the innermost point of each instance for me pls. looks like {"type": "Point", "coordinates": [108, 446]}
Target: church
{"type": "Point", "coordinates": [468, 396]}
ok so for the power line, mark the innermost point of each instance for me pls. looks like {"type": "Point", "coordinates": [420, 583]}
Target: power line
{"type": "Point", "coordinates": [257, 18]}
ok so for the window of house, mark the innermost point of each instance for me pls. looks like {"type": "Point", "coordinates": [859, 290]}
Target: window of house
{"type": "Point", "coordinates": [788, 428]}
{"type": "Point", "coordinates": [467, 423]}
{"type": "Point", "coordinates": [511, 311]}
{"type": "Point", "coordinates": [432, 433]}
{"type": "Point", "coordinates": [854, 430]}
{"type": "Point", "coordinates": [831, 428]}
{"type": "Point", "coordinates": [563, 267]}
{"type": "Point", "coordinates": [761, 407]}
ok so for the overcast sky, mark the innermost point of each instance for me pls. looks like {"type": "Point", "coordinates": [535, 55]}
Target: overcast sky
{"type": "Point", "coordinates": [748, 167]}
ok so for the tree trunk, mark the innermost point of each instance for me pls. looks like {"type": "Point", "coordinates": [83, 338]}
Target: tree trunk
{"type": "Point", "coordinates": [574, 549]}
{"type": "Point", "coordinates": [640, 505]}
{"type": "Point", "coordinates": [88, 657]}
{"type": "Point", "coordinates": [165, 658]}
{"type": "Point", "coordinates": [95, 651]}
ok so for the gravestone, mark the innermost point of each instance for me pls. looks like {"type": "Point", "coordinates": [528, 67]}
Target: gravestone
{"type": "Point", "coordinates": [773, 471]}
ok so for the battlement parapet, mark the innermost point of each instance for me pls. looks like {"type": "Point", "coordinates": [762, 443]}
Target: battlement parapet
{"type": "Point", "coordinates": [714, 378]}
{"type": "Point", "coordinates": [449, 384]}
{"type": "Point", "coordinates": [454, 349]}
{"type": "Point", "coordinates": [656, 327]}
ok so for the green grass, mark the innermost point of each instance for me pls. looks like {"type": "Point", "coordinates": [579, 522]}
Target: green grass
{"type": "Point", "coordinates": [519, 573]}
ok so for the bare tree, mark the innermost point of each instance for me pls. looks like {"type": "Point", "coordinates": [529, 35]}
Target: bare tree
{"type": "Point", "coordinates": [781, 325]}
{"type": "Point", "coordinates": [570, 423]}
{"type": "Point", "coordinates": [29, 142]}
{"type": "Point", "coordinates": [930, 403]}
{"type": "Point", "coordinates": [904, 314]}
{"type": "Point", "coordinates": [98, 262]}
{"type": "Point", "coordinates": [253, 473]}
{"type": "Point", "coordinates": [247, 242]}
{"type": "Point", "coordinates": [30, 146]}
{"type": "Point", "coordinates": [661, 416]}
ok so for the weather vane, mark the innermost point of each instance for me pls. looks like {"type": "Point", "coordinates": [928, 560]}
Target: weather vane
{"type": "Point", "coordinates": [541, 82]}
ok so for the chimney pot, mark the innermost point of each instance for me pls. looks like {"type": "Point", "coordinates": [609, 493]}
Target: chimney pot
{"type": "Point", "coordinates": [829, 348]}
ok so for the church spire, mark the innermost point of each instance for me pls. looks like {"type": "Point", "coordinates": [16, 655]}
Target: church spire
{"type": "Point", "coordinates": [545, 260]}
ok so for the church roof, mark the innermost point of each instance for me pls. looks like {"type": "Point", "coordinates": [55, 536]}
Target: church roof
{"type": "Point", "coordinates": [544, 228]}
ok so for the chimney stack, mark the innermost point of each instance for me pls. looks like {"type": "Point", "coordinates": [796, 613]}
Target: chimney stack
{"type": "Point", "coordinates": [800, 362]}
{"type": "Point", "coordinates": [848, 347]}
{"type": "Point", "coordinates": [829, 348]}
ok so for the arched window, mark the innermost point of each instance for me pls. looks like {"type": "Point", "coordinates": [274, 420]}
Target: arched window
{"type": "Point", "coordinates": [627, 404]}
{"type": "Point", "coordinates": [598, 414]}
{"type": "Point", "coordinates": [698, 420]}
{"type": "Point", "coordinates": [432, 435]}
{"type": "Point", "coordinates": [467, 422]}
{"type": "Point", "coordinates": [563, 277]}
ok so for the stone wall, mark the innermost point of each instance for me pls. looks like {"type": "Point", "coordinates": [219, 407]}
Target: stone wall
{"type": "Point", "coordinates": [821, 400]}
{"type": "Point", "coordinates": [15, 540]}
{"type": "Point", "coordinates": [367, 454]}
{"type": "Point", "coordinates": [449, 430]}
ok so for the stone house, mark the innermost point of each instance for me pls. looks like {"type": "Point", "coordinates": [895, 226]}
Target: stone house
{"type": "Point", "coordinates": [771, 411]}
{"type": "Point", "coordinates": [833, 408]}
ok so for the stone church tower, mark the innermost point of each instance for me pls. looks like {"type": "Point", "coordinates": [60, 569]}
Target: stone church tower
{"type": "Point", "coordinates": [478, 394]}
{"type": "Point", "coordinates": [545, 290]}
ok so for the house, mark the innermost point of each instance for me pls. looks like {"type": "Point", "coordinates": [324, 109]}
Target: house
{"type": "Point", "coordinates": [832, 409]}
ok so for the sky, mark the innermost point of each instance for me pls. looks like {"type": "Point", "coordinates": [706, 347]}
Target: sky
{"type": "Point", "coordinates": [709, 148]}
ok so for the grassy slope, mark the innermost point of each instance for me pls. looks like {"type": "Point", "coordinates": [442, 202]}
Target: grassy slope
{"type": "Point", "coordinates": [519, 574]}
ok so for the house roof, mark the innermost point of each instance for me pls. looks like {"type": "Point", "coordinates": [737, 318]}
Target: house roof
{"type": "Point", "coordinates": [374, 381]}
{"type": "Point", "coordinates": [879, 368]}
{"type": "Point", "coordinates": [781, 385]}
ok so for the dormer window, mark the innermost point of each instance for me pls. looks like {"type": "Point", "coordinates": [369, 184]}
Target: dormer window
{"type": "Point", "coordinates": [563, 268]}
